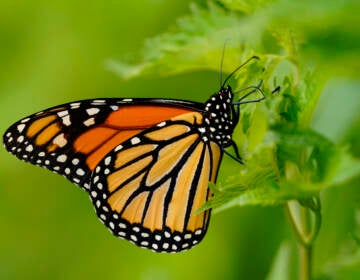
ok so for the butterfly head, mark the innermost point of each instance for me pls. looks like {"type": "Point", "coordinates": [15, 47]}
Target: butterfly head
{"type": "Point", "coordinates": [220, 116]}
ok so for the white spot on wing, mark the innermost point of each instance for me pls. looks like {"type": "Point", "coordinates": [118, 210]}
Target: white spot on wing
{"type": "Point", "coordinates": [135, 140]}
{"type": "Point", "coordinates": [60, 140]}
{"type": "Point", "coordinates": [75, 105]}
{"type": "Point", "coordinates": [25, 120]}
{"type": "Point", "coordinates": [66, 120]}
{"type": "Point", "coordinates": [122, 225]}
{"type": "Point", "coordinates": [20, 127]}
{"type": "Point", "coordinates": [61, 158]}
{"type": "Point", "coordinates": [107, 160]}
{"type": "Point", "coordinates": [89, 122]}
{"type": "Point", "coordinates": [20, 138]}
{"type": "Point", "coordinates": [187, 236]}
{"type": "Point", "coordinates": [92, 111]}
{"type": "Point", "coordinates": [118, 148]}
{"type": "Point", "coordinates": [136, 229]}
{"type": "Point", "coordinates": [80, 172]}
{"type": "Point", "coordinates": [29, 148]}
{"type": "Point", "coordinates": [62, 113]}
{"type": "Point", "coordinates": [144, 243]}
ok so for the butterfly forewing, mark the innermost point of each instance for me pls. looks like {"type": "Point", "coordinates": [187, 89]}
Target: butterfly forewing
{"type": "Point", "coordinates": [147, 189]}
{"type": "Point", "coordinates": [71, 139]}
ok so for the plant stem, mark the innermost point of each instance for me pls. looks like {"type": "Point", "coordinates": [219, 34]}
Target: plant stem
{"type": "Point", "coordinates": [305, 231]}
{"type": "Point", "coordinates": [305, 248]}
{"type": "Point", "coordinates": [305, 261]}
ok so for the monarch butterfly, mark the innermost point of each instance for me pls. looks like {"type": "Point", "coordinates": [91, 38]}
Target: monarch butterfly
{"type": "Point", "coordinates": [145, 163]}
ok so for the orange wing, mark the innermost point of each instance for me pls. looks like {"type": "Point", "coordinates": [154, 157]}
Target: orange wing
{"type": "Point", "coordinates": [148, 188]}
{"type": "Point", "coordinates": [71, 139]}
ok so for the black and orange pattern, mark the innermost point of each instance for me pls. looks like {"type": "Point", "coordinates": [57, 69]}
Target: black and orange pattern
{"type": "Point", "coordinates": [71, 139]}
{"type": "Point", "coordinates": [145, 163]}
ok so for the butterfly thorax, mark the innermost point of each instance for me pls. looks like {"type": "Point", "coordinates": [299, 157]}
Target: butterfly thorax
{"type": "Point", "coordinates": [218, 117]}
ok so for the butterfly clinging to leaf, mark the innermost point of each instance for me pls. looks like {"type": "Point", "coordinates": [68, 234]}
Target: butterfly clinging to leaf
{"type": "Point", "coordinates": [146, 163]}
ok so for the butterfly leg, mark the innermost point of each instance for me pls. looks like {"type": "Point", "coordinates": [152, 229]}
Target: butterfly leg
{"type": "Point", "coordinates": [237, 156]}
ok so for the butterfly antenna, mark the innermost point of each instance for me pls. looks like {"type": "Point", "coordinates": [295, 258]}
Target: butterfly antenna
{"type": "Point", "coordinates": [276, 90]}
{"type": "Point", "coordinates": [238, 68]}
{"type": "Point", "coordinates": [254, 89]}
{"type": "Point", "coordinates": [222, 62]}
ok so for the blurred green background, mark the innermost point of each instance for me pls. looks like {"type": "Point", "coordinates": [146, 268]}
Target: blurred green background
{"type": "Point", "coordinates": [52, 53]}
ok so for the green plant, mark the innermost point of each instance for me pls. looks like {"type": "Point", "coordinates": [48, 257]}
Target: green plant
{"type": "Point", "coordinates": [302, 46]}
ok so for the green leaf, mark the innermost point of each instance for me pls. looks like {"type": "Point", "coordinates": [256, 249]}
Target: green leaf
{"type": "Point", "coordinates": [273, 174]}
{"type": "Point", "coordinates": [195, 43]}
{"type": "Point", "coordinates": [345, 167]}
{"type": "Point", "coordinates": [263, 27]}
{"type": "Point", "coordinates": [321, 163]}
{"type": "Point", "coordinates": [245, 6]}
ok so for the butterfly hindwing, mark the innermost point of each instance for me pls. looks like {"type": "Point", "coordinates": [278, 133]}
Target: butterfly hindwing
{"type": "Point", "coordinates": [71, 139]}
{"type": "Point", "coordinates": [148, 188]}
